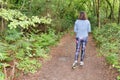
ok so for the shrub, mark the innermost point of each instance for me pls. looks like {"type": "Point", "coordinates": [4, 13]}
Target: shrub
{"type": "Point", "coordinates": [107, 37]}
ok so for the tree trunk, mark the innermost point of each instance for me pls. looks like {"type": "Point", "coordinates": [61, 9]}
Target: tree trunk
{"type": "Point", "coordinates": [94, 8]}
{"type": "Point", "coordinates": [23, 4]}
{"type": "Point", "coordinates": [98, 13]}
{"type": "Point", "coordinates": [2, 23]}
{"type": "Point", "coordinates": [106, 11]}
{"type": "Point", "coordinates": [111, 10]}
{"type": "Point", "coordinates": [119, 13]}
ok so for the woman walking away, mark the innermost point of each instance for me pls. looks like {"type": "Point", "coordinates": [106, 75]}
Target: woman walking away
{"type": "Point", "coordinates": [82, 27]}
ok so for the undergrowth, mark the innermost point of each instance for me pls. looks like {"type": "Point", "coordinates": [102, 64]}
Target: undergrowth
{"type": "Point", "coordinates": [108, 41]}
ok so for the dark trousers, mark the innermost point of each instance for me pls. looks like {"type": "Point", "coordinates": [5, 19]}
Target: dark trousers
{"type": "Point", "coordinates": [80, 46]}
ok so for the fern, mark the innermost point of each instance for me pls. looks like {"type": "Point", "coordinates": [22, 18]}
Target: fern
{"type": "Point", "coordinates": [20, 54]}
{"type": "Point", "coordinates": [3, 56]}
{"type": "Point", "coordinates": [28, 65]}
{"type": "Point", "coordinates": [40, 53]}
{"type": "Point", "coordinates": [3, 46]}
{"type": "Point", "coordinates": [12, 35]}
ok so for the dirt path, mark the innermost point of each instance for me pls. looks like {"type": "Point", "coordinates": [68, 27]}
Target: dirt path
{"type": "Point", "coordinates": [59, 67]}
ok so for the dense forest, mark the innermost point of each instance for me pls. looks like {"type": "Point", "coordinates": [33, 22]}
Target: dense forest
{"type": "Point", "coordinates": [29, 27]}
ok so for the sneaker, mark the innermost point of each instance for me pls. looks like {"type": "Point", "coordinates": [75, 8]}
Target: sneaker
{"type": "Point", "coordinates": [74, 64]}
{"type": "Point", "coordinates": [81, 63]}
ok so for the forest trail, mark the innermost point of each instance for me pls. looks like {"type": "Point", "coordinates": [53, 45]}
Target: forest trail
{"type": "Point", "coordinates": [59, 66]}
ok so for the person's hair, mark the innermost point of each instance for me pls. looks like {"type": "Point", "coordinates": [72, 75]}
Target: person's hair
{"type": "Point", "coordinates": [82, 16]}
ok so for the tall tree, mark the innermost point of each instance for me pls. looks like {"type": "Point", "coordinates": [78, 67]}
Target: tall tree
{"type": "Point", "coordinates": [94, 7]}
{"type": "Point", "coordinates": [111, 9]}
{"type": "Point", "coordinates": [2, 20]}
{"type": "Point", "coordinates": [98, 13]}
{"type": "Point", "coordinates": [119, 13]}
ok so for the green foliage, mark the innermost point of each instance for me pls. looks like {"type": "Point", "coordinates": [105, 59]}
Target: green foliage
{"type": "Point", "coordinates": [16, 45]}
{"type": "Point", "coordinates": [16, 19]}
{"type": "Point", "coordinates": [38, 7]}
{"type": "Point", "coordinates": [63, 13]}
{"type": "Point", "coordinates": [3, 52]}
{"type": "Point", "coordinates": [3, 56]}
{"type": "Point", "coordinates": [62, 24]}
{"type": "Point", "coordinates": [112, 59]}
{"type": "Point", "coordinates": [118, 77]}
{"type": "Point", "coordinates": [41, 53]}
{"type": "Point", "coordinates": [3, 47]}
{"type": "Point", "coordinates": [23, 48]}
{"type": "Point", "coordinates": [28, 65]}
{"type": "Point", "coordinates": [47, 39]}
{"type": "Point", "coordinates": [30, 8]}
{"type": "Point", "coordinates": [20, 54]}
{"type": "Point", "coordinates": [2, 76]}
{"type": "Point", "coordinates": [13, 35]}
{"type": "Point", "coordinates": [107, 38]}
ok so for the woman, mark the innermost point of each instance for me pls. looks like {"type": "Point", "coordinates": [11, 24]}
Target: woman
{"type": "Point", "coordinates": [82, 27]}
